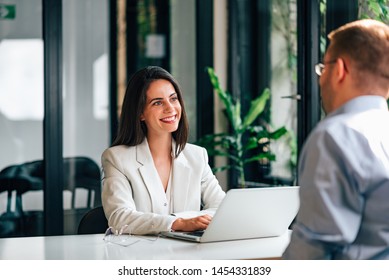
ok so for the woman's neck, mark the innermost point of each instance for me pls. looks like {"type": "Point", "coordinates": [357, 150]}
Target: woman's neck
{"type": "Point", "coordinates": [161, 145]}
{"type": "Point", "coordinates": [160, 148]}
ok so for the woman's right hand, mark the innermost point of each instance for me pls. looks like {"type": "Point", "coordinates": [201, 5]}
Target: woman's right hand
{"type": "Point", "coordinates": [193, 224]}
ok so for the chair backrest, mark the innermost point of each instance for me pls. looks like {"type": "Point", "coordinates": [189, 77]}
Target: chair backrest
{"type": "Point", "coordinates": [6, 177]}
{"type": "Point", "coordinates": [82, 172]}
{"type": "Point", "coordinates": [30, 177]}
{"type": "Point", "coordinates": [94, 221]}
{"type": "Point", "coordinates": [10, 221]}
{"type": "Point", "coordinates": [21, 178]}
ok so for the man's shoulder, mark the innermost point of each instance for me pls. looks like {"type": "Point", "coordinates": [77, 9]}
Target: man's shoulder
{"type": "Point", "coordinates": [332, 125]}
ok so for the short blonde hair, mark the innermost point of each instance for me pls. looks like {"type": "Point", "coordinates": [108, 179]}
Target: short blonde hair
{"type": "Point", "coordinates": [366, 42]}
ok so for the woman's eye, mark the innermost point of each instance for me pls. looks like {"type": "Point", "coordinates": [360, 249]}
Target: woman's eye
{"type": "Point", "coordinates": [157, 103]}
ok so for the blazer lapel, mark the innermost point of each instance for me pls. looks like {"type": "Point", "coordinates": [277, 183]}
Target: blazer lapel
{"type": "Point", "coordinates": [150, 177]}
{"type": "Point", "coordinates": [180, 183]}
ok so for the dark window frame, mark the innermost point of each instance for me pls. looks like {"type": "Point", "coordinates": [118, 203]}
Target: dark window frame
{"type": "Point", "coordinates": [204, 58]}
{"type": "Point", "coordinates": [52, 124]}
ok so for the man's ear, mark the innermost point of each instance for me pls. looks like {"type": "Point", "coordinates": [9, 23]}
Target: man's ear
{"type": "Point", "coordinates": [341, 69]}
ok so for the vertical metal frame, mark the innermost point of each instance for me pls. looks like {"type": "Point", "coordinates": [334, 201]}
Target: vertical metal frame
{"type": "Point", "coordinates": [308, 53]}
{"type": "Point", "coordinates": [248, 69]}
{"type": "Point", "coordinates": [239, 26]}
{"type": "Point", "coordinates": [113, 45]}
{"type": "Point", "coordinates": [339, 13]}
{"type": "Point", "coordinates": [163, 27]}
{"type": "Point", "coordinates": [204, 58]}
{"type": "Point", "coordinates": [262, 45]}
{"type": "Point", "coordinates": [241, 44]}
{"type": "Point", "coordinates": [309, 26]}
{"type": "Point", "coordinates": [52, 36]}
{"type": "Point", "coordinates": [131, 34]}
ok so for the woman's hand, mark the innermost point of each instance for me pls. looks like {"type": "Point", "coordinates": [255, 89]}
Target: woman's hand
{"type": "Point", "coordinates": [197, 223]}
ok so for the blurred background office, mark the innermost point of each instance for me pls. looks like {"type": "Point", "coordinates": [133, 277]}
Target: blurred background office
{"type": "Point", "coordinates": [64, 66]}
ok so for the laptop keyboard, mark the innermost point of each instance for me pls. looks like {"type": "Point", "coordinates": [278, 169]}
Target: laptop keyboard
{"type": "Point", "coordinates": [198, 233]}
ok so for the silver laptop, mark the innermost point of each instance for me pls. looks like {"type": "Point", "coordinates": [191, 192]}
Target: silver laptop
{"type": "Point", "coordinates": [249, 213]}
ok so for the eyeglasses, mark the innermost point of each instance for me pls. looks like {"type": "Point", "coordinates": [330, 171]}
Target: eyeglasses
{"type": "Point", "coordinates": [319, 68]}
{"type": "Point", "coordinates": [119, 237]}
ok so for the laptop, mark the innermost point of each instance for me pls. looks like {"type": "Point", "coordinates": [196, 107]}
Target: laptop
{"type": "Point", "coordinates": [249, 213]}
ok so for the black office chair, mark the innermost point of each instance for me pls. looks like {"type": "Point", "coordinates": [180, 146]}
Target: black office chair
{"type": "Point", "coordinates": [30, 177]}
{"type": "Point", "coordinates": [10, 221]}
{"type": "Point", "coordinates": [20, 179]}
{"type": "Point", "coordinates": [82, 172]}
{"type": "Point", "coordinates": [6, 182]}
{"type": "Point", "coordinates": [94, 221]}
{"type": "Point", "coordinates": [78, 173]}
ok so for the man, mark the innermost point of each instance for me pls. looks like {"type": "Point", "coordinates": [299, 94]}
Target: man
{"type": "Point", "coordinates": [344, 165]}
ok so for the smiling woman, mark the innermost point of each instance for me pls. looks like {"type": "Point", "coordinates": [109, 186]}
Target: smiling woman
{"type": "Point", "coordinates": [161, 117]}
{"type": "Point", "coordinates": [162, 112]}
{"type": "Point", "coordinates": [153, 179]}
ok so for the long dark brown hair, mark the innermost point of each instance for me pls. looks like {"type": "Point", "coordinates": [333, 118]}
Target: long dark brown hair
{"type": "Point", "coordinates": [132, 131]}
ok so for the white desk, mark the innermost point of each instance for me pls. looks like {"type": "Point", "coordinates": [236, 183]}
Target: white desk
{"type": "Point", "coordinates": [93, 247]}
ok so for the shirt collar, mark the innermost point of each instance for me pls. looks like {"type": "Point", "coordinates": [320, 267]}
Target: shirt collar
{"type": "Point", "coordinates": [360, 104]}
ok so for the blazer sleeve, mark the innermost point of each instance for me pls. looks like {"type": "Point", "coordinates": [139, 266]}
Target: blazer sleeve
{"type": "Point", "coordinates": [118, 202]}
{"type": "Point", "coordinates": [209, 189]}
{"type": "Point", "coordinates": [211, 192]}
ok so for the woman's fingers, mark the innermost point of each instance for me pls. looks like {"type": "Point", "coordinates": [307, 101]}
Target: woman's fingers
{"type": "Point", "coordinates": [202, 222]}
{"type": "Point", "coordinates": [206, 219]}
{"type": "Point", "coordinates": [197, 223]}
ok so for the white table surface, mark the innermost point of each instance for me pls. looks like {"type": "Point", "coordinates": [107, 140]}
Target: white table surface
{"type": "Point", "coordinates": [93, 247]}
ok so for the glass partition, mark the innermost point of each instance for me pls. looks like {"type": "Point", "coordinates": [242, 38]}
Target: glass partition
{"type": "Point", "coordinates": [85, 112]}
{"type": "Point", "coordinates": [21, 116]}
{"type": "Point", "coordinates": [85, 104]}
{"type": "Point", "coordinates": [284, 86]}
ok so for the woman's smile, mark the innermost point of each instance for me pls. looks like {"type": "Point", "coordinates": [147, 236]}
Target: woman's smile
{"type": "Point", "coordinates": [171, 119]}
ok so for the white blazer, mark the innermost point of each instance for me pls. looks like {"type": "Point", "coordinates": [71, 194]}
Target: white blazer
{"type": "Point", "coordinates": [133, 194]}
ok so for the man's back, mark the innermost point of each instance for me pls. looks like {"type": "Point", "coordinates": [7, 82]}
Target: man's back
{"type": "Point", "coordinates": [345, 186]}
{"type": "Point", "coordinates": [344, 165]}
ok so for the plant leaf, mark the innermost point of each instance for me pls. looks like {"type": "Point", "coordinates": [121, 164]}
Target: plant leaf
{"type": "Point", "coordinates": [251, 144]}
{"type": "Point", "coordinates": [278, 133]}
{"type": "Point", "coordinates": [237, 120]}
{"type": "Point", "coordinates": [221, 168]}
{"type": "Point", "coordinates": [268, 156]}
{"type": "Point", "coordinates": [225, 97]}
{"type": "Point", "coordinates": [256, 108]}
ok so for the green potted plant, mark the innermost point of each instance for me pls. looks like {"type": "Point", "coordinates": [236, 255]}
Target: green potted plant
{"type": "Point", "coordinates": [242, 144]}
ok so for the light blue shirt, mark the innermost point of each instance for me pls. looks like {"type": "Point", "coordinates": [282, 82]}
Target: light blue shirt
{"type": "Point", "coordinates": [344, 185]}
